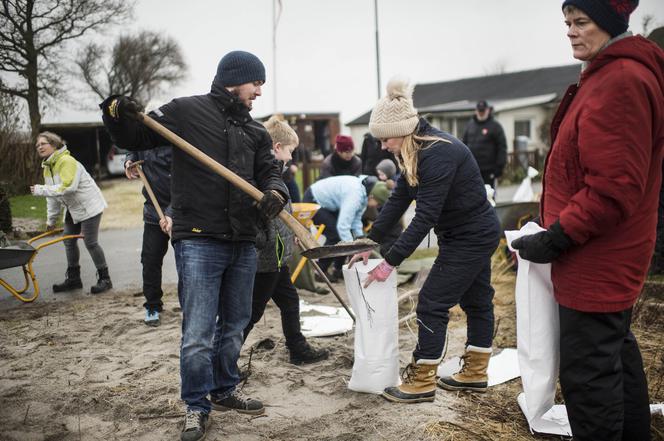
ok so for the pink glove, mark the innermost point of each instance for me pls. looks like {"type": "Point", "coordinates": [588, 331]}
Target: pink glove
{"type": "Point", "coordinates": [380, 273]}
{"type": "Point", "coordinates": [364, 256]}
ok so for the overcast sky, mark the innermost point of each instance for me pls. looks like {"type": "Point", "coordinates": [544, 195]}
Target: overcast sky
{"type": "Point", "coordinates": [326, 58]}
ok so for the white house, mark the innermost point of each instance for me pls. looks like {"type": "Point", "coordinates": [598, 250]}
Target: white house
{"type": "Point", "coordinates": [523, 102]}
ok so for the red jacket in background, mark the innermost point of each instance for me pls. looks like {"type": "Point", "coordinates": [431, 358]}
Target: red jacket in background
{"type": "Point", "coordinates": [603, 174]}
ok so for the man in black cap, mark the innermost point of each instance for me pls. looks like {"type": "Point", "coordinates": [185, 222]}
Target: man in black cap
{"type": "Point", "coordinates": [214, 226]}
{"type": "Point", "coordinates": [486, 139]}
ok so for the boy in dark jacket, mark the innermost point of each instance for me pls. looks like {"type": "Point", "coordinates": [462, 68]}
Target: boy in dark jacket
{"type": "Point", "coordinates": [157, 170]}
{"type": "Point", "coordinates": [273, 277]}
{"type": "Point", "coordinates": [214, 225]}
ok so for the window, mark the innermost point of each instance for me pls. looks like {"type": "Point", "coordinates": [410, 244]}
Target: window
{"type": "Point", "coordinates": [522, 128]}
{"type": "Point", "coordinates": [461, 124]}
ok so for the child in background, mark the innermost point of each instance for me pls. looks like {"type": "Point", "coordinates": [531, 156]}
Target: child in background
{"type": "Point", "coordinates": [273, 277]}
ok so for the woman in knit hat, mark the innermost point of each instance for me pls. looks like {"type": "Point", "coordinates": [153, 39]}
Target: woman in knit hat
{"type": "Point", "coordinates": [342, 161]}
{"type": "Point", "coordinates": [599, 205]}
{"type": "Point", "coordinates": [438, 171]}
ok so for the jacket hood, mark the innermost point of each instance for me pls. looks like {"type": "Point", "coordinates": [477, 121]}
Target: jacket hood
{"type": "Point", "coordinates": [55, 156]}
{"type": "Point", "coordinates": [636, 48]}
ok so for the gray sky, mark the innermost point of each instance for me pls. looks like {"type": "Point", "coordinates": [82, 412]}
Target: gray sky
{"type": "Point", "coordinates": [326, 49]}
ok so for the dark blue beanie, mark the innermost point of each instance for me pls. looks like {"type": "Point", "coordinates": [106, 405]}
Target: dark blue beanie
{"type": "Point", "coordinates": [610, 15]}
{"type": "Point", "coordinates": [239, 67]}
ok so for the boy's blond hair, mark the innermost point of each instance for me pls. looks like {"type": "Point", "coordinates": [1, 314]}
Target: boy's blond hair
{"type": "Point", "coordinates": [280, 131]}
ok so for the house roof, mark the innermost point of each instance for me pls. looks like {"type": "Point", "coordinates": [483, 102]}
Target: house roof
{"type": "Point", "coordinates": [536, 84]}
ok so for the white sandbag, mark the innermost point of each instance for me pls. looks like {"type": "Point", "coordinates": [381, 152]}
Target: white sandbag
{"type": "Point", "coordinates": [537, 332]}
{"type": "Point", "coordinates": [525, 191]}
{"type": "Point", "coordinates": [376, 361]}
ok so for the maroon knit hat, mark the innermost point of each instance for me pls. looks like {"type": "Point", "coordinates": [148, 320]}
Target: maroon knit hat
{"type": "Point", "coordinates": [610, 15]}
{"type": "Point", "coordinates": [344, 143]}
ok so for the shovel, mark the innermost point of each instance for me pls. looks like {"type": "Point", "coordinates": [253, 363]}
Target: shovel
{"type": "Point", "coordinates": [148, 188]}
{"type": "Point", "coordinates": [312, 250]}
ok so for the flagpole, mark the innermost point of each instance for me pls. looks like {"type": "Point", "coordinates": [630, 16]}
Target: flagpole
{"type": "Point", "coordinates": [377, 47]}
{"type": "Point", "coordinates": [274, 54]}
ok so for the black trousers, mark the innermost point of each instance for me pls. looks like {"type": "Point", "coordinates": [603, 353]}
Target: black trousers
{"type": "Point", "coordinates": [278, 287]}
{"type": "Point", "coordinates": [155, 246]}
{"type": "Point", "coordinates": [489, 178]}
{"type": "Point", "coordinates": [455, 278]}
{"type": "Point", "coordinates": [602, 377]}
{"type": "Point", "coordinates": [329, 218]}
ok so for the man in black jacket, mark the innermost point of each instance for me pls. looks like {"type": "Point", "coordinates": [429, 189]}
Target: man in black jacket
{"type": "Point", "coordinates": [214, 226]}
{"type": "Point", "coordinates": [486, 139]}
{"type": "Point", "coordinates": [157, 170]}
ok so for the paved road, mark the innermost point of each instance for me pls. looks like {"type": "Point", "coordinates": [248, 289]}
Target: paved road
{"type": "Point", "coordinates": [123, 254]}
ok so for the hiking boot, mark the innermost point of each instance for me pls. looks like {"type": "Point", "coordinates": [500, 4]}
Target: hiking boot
{"type": "Point", "coordinates": [103, 282]}
{"type": "Point", "coordinates": [151, 317]}
{"type": "Point", "coordinates": [473, 374]}
{"type": "Point", "coordinates": [419, 383]}
{"type": "Point", "coordinates": [195, 426]}
{"type": "Point", "coordinates": [72, 280]}
{"type": "Point", "coordinates": [239, 402]}
{"type": "Point", "coordinates": [306, 354]}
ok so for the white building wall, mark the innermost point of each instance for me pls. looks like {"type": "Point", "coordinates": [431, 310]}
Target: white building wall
{"type": "Point", "coordinates": [535, 114]}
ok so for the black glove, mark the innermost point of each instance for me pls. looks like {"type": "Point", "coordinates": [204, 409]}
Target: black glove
{"type": "Point", "coordinates": [118, 107]}
{"type": "Point", "coordinates": [545, 246]}
{"type": "Point", "coordinates": [271, 204]}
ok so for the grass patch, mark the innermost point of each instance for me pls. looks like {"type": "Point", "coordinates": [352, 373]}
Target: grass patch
{"type": "Point", "coordinates": [33, 207]}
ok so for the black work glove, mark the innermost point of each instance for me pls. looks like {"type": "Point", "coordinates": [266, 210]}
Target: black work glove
{"type": "Point", "coordinates": [119, 107]}
{"type": "Point", "coordinates": [545, 246]}
{"type": "Point", "coordinates": [271, 204]}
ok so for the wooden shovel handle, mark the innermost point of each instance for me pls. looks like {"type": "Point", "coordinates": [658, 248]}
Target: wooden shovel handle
{"type": "Point", "coordinates": [300, 232]}
{"type": "Point", "coordinates": [148, 188]}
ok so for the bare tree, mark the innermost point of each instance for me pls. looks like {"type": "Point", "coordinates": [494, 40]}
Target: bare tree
{"type": "Point", "coordinates": [33, 34]}
{"type": "Point", "coordinates": [498, 67]}
{"type": "Point", "coordinates": [19, 166]}
{"type": "Point", "coordinates": [138, 66]}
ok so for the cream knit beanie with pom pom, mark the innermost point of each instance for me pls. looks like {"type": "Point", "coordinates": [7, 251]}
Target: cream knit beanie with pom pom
{"type": "Point", "coordinates": [394, 116]}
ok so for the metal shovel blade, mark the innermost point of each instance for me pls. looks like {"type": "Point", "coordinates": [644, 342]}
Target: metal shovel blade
{"type": "Point", "coordinates": [340, 249]}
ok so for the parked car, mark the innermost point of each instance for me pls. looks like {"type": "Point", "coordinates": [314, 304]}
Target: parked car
{"type": "Point", "coordinates": [115, 161]}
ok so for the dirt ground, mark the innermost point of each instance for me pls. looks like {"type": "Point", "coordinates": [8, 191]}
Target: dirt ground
{"type": "Point", "coordinates": [89, 369]}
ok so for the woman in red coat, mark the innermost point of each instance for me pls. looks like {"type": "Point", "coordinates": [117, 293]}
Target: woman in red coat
{"type": "Point", "coordinates": [600, 197]}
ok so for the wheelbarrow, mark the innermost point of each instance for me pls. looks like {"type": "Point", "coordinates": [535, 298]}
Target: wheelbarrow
{"type": "Point", "coordinates": [512, 216]}
{"type": "Point", "coordinates": [304, 213]}
{"type": "Point", "coordinates": [23, 254]}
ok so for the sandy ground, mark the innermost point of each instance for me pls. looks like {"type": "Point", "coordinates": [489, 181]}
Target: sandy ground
{"type": "Point", "coordinates": [88, 369]}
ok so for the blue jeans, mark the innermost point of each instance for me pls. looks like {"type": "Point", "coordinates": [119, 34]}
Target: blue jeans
{"type": "Point", "coordinates": [215, 283]}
